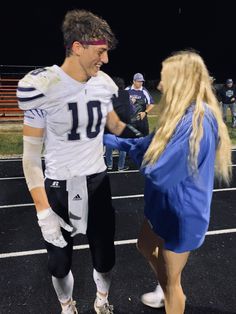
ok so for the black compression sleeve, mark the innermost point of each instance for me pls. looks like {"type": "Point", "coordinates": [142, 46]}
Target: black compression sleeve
{"type": "Point", "coordinates": [130, 132]}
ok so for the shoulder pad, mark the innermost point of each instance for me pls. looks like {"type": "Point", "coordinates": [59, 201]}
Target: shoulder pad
{"type": "Point", "coordinates": [108, 82]}
{"type": "Point", "coordinates": [41, 79]}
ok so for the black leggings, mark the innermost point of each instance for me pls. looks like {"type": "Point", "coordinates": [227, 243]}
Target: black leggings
{"type": "Point", "coordinates": [100, 230]}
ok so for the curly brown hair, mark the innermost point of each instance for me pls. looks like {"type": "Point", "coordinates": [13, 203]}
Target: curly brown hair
{"type": "Point", "coordinates": [82, 25]}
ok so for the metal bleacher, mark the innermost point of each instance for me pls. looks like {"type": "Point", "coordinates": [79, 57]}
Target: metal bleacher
{"type": "Point", "coordinates": [9, 77]}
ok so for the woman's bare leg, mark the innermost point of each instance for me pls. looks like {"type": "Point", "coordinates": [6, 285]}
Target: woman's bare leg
{"type": "Point", "coordinates": [167, 266]}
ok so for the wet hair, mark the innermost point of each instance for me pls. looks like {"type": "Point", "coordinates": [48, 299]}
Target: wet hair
{"type": "Point", "coordinates": [82, 25]}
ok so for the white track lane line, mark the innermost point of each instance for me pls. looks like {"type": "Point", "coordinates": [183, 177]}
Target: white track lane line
{"type": "Point", "coordinates": [2, 159]}
{"type": "Point", "coordinates": [85, 246]}
{"type": "Point", "coordinates": [113, 198]}
{"type": "Point", "coordinates": [110, 172]}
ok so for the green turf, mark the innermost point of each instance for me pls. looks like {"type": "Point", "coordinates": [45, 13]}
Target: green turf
{"type": "Point", "coordinates": [11, 143]}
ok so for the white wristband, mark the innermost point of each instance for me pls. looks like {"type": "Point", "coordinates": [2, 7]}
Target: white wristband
{"type": "Point", "coordinates": [44, 213]}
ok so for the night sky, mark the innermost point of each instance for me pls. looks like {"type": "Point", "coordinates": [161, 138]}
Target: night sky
{"type": "Point", "coordinates": [147, 33]}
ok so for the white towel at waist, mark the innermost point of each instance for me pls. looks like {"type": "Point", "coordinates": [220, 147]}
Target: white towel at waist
{"type": "Point", "coordinates": [78, 203]}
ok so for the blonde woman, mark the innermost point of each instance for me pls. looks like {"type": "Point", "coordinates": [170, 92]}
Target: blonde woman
{"type": "Point", "coordinates": [179, 161]}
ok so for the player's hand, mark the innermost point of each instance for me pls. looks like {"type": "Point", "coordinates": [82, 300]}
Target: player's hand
{"type": "Point", "coordinates": [130, 132]}
{"type": "Point", "coordinates": [142, 115]}
{"type": "Point", "coordinates": [51, 224]}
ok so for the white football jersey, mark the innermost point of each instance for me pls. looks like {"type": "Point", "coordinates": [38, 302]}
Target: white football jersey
{"type": "Point", "coordinates": [73, 115]}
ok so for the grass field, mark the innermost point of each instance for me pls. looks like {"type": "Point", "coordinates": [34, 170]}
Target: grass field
{"type": "Point", "coordinates": [11, 134]}
{"type": "Point", "coordinates": [11, 139]}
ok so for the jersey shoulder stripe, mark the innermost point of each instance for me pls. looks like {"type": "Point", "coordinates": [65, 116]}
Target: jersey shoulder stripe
{"type": "Point", "coordinates": [23, 99]}
{"type": "Point", "coordinates": [35, 118]}
{"type": "Point", "coordinates": [37, 112]}
{"type": "Point", "coordinates": [27, 94]}
{"type": "Point", "coordinates": [29, 97]}
{"type": "Point", "coordinates": [41, 79]}
{"type": "Point", "coordinates": [148, 96]}
{"type": "Point", "coordinates": [34, 86]}
{"type": "Point", "coordinates": [25, 89]}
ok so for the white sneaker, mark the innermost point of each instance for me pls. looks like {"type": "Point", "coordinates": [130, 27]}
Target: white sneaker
{"type": "Point", "coordinates": [70, 308]}
{"type": "Point", "coordinates": [154, 299]}
{"type": "Point", "coordinates": [106, 308]}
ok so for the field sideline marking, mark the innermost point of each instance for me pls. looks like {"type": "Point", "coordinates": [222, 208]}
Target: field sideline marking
{"type": "Point", "coordinates": [20, 158]}
{"type": "Point", "coordinates": [85, 246]}
{"type": "Point", "coordinates": [113, 197]}
{"type": "Point", "coordinates": [110, 172]}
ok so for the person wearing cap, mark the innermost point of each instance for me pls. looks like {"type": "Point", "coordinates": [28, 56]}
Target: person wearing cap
{"type": "Point", "coordinates": [141, 104]}
{"type": "Point", "coordinates": [227, 98]}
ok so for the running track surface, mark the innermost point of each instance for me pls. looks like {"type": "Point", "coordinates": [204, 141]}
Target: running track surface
{"type": "Point", "coordinates": [209, 279]}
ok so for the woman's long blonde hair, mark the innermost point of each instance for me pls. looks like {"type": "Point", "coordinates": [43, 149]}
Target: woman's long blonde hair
{"type": "Point", "coordinates": [185, 79]}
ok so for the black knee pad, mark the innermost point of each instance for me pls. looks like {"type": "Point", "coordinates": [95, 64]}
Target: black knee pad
{"type": "Point", "coordinates": [59, 260]}
{"type": "Point", "coordinates": [58, 271]}
{"type": "Point", "coordinates": [104, 260]}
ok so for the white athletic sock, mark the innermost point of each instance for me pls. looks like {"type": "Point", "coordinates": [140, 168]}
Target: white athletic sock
{"type": "Point", "coordinates": [103, 282]}
{"type": "Point", "coordinates": [64, 287]}
{"type": "Point", "coordinates": [100, 299]}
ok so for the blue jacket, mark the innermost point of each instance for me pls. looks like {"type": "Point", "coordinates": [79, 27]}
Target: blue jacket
{"type": "Point", "coordinates": [177, 203]}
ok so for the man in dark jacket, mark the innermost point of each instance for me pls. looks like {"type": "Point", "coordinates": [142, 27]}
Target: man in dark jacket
{"type": "Point", "coordinates": [121, 105]}
{"type": "Point", "coordinates": [227, 98]}
{"type": "Point", "coordinates": [141, 104]}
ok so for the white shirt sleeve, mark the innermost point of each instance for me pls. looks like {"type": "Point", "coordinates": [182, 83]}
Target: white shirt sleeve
{"type": "Point", "coordinates": [35, 118]}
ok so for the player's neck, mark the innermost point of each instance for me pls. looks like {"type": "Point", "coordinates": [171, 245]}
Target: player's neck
{"type": "Point", "coordinates": [73, 70]}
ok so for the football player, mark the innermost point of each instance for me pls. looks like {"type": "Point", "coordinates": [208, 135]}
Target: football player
{"type": "Point", "coordinates": [66, 109]}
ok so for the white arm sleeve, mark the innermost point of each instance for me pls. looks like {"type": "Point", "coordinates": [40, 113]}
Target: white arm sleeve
{"type": "Point", "coordinates": [32, 163]}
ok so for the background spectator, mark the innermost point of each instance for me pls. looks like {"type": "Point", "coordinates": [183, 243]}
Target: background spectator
{"type": "Point", "coordinates": [141, 104]}
{"type": "Point", "coordinates": [227, 98]}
